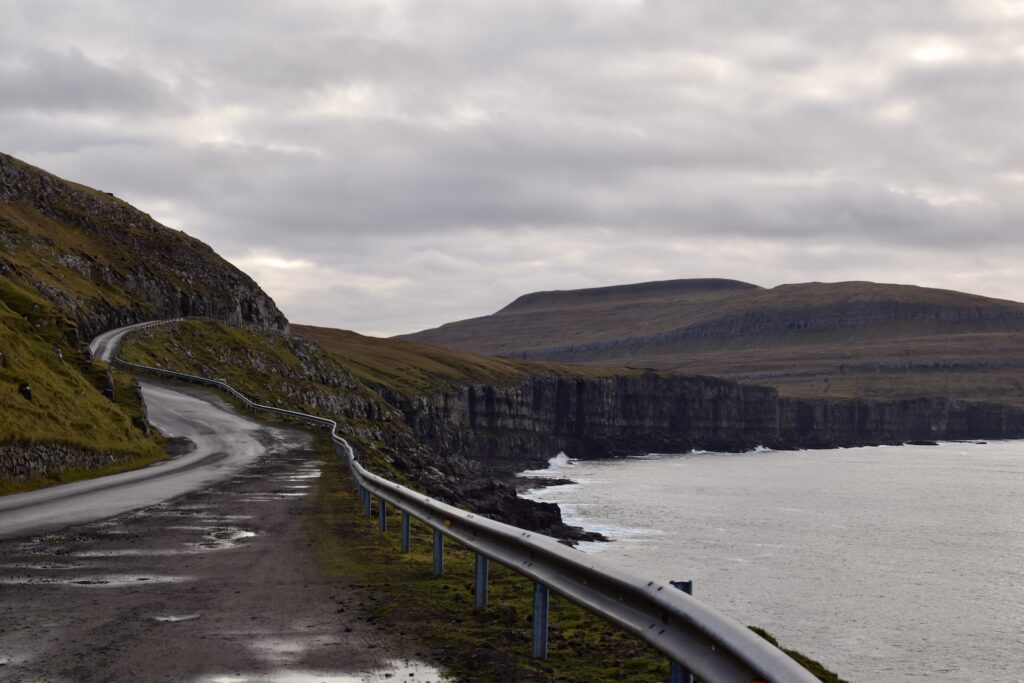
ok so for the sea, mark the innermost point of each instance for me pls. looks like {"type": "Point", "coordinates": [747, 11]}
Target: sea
{"type": "Point", "coordinates": [902, 563]}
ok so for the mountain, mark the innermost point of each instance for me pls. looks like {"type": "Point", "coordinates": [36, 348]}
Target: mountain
{"type": "Point", "coordinates": [845, 339]}
{"type": "Point", "coordinates": [75, 261]}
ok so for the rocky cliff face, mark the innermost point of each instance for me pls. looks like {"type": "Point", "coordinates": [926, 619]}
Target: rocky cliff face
{"type": "Point", "coordinates": [106, 264]}
{"type": "Point", "coordinates": [512, 427]}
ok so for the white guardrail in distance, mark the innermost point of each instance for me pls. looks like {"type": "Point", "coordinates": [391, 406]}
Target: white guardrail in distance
{"type": "Point", "coordinates": [713, 646]}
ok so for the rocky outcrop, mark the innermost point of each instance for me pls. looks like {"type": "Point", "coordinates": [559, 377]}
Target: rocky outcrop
{"type": "Point", "coordinates": [107, 264]}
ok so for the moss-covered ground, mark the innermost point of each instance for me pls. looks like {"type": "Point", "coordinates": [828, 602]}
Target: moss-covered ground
{"type": "Point", "coordinates": [63, 402]}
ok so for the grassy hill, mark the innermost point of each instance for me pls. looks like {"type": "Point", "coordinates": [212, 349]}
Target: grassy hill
{"type": "Point", "coordinates": [64, 402]}
{"type": "Point", "coordinates": [855, 339]}
{"type": "Point", "coordinates": [414, 369]}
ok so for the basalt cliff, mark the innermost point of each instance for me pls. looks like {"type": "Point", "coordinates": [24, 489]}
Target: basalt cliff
{"type": "Point", "coordinates": [521, 425]}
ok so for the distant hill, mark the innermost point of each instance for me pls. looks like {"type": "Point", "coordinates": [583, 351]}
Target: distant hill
{"type": "Point", "coordinates": [857, 339]}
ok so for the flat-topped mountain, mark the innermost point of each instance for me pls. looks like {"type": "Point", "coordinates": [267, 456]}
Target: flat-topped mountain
{"type": "Point", "coordinates": [812, 339]}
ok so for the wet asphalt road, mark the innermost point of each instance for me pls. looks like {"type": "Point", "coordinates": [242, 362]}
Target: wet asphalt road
{"type": "Point", "coordinates": [204, 573]}
{"type": "Point", "coordinates": [226, 442]}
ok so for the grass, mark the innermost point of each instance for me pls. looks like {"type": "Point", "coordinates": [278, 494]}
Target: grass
{"type": "Point", "coordinates": [413, 369]}
{"type": "Point", "coordinates": [66, 405]}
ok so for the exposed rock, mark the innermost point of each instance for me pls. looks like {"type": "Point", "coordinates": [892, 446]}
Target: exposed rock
{"type": "Point", "coordinates": [108, 385]}
{"type": "Point", "coordinates": [25, 390]}
{"type": "Point", "coordinates": [19, 462]}
{"type": "Point", "coordinates": [113, 244]}
{"type": "Point", "coordinates": [510, 428]}
{"type": "Point", "coordinates": [142, 421]}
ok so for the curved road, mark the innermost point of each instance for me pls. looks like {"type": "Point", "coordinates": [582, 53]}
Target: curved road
{"type": "Point", "coordinates": [104, 345]}
{"type": "Point", "coordinates": [226, 443]}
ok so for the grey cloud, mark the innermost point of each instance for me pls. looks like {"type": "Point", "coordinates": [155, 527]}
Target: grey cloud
{"type": "Point", "coordinates": [431, 160]}
{"type": "Point", "coordinates": [72, 82]}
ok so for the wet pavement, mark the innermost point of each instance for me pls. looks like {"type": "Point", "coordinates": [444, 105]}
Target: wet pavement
{"type": "Point", "coordinates": [216, 585]}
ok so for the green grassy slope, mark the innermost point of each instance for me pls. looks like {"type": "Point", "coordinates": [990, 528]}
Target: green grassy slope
{"type": "Point", "coordinates": [67, 405]}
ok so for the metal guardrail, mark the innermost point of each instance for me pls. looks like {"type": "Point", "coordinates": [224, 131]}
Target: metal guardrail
{"type": "Point", "coordinates": [713, 646]}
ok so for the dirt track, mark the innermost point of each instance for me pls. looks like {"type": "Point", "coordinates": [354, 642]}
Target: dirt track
{"type": "Point", "coordinates": [220, 584]}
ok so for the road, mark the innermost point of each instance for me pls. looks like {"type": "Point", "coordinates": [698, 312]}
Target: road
{"type": "Point", "coordinates": [200, 568]}
{"type": "Point", "coordinates": [225, 443]}
{"type": "Point", "coordinates": [104, 345]}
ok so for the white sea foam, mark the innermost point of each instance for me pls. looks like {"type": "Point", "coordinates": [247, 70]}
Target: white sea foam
{"type": "Point", "coordinates": [560, 461]}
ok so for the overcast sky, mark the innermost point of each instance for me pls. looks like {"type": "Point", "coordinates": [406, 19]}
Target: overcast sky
{"type": "Point", "coordinates": [387, 166]}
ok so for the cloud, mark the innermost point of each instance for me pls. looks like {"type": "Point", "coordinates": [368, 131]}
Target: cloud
{"type": "Point", "coordinates": [387, 166]}
{"type": "Point", "coordinates": [51, 81]}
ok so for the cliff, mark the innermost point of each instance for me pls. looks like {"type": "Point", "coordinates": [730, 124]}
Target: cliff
{"type": "Point", "coordinates": [106, 264]}
{"type": "Point", "coordinates": [513, 427]}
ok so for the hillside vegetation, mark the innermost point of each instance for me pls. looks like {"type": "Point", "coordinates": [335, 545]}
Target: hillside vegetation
{"type": "Point", "coordinates": [63, 402]}
{"type": "Point", "coordinates": [415, 369]}
{"type": "Point", "coordinates": [848, 339]}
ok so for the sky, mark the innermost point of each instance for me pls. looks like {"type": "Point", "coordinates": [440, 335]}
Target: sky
{"type": "Point", "coordinates": [388, 166]}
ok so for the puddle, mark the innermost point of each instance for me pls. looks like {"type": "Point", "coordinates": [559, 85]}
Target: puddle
{"type": "Point", "coordinates": [320, 677]}
{"type": "Point", "coordinates": [172, 618]}
{"type": "Point", "coordinates": [100, 581]}
{"type": "Point", "coordinates": [302, 475]}
{"type": "Point", "coordinates": [271, 497]}
{"type": "Point", "coordinates": [395, 671]}
{"type": "Point", "coordinates": [217, 538]}
{"type": "Point", "coordinates": [286, 652]}
{"type": "Point", "coordinates": [43, 566]}
{"type": "Point", "coordinates": [129, 552]}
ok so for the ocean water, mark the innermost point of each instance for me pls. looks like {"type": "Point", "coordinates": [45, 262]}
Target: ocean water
{"type": "Point", "coordinates": [887, 564]}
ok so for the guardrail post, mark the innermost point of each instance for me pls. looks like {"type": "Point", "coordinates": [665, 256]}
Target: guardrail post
{"type": "Point", "coordinates": [382, 514]}
{"type": "Point", "coordinates": [438, 553]}
{"type": "Point", "coordinates": [540, 621]}
{"type": "Point", "coordinates": [405, 531]}
{"type": "Point", "coordinates": [367, 503]}
{"type": "Point", "coordinates": [677, 673]}
{"type": "Point", "coordinates": [481, 581]}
